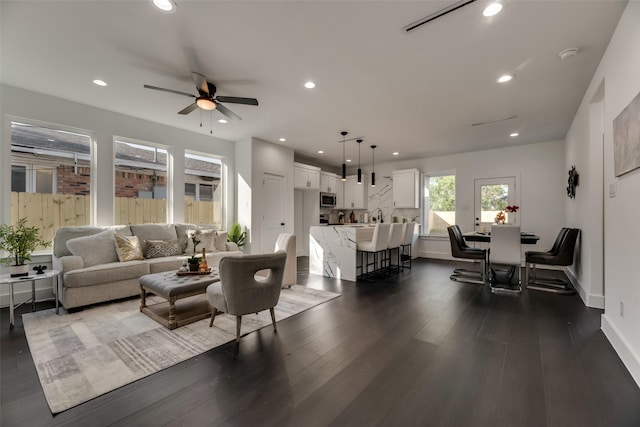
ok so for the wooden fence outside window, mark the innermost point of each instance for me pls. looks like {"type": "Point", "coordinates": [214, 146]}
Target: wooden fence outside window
{"type": "Point", "coordinates": [49, 212]}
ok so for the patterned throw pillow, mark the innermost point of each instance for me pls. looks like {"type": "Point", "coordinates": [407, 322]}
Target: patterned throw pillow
{"type": "Point", "coordinates": [160, 248]}
{"type": "Point", "coordinates": [128, 247]}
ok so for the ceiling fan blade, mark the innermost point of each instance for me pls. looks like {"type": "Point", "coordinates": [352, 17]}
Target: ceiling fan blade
{"type": "Point", "coordinates": [201, 83]}
{"type": "Point", "coordinates": [230, 114]}
{"type": "Point", "coordinates": [188, 109]}
{"type": "Point", "coordinates": [170, 91]}
{"type": "Point", "coordinates": [237, 100]}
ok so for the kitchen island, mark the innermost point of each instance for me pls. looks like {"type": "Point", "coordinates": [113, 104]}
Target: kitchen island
{"type": "Point", "coordinates": [333, 248]}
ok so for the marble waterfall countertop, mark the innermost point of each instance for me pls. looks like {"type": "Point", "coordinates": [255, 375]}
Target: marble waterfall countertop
{"type": "Point", "coordinates": [332, 249]}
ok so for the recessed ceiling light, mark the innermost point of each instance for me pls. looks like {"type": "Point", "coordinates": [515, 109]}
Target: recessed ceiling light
{"type": "Point", "coordinates": [348, 160]}
{"type": "Point", "coordinates": [320, 151]}
{"type": "Point", "coordinates": [492, 9]}
{"type": "Point", "coordinates": [309, 85]}
{"type": "Point", "coordinates": [513, 135]}
{"type": "Point", "coordinates": [505, 78]}
{"type": "Point", "coordinates": [222, 121]}
{"type": "Point", "coordinates": [395, 153]}
{"type": "Point", "coordinates": [283, 139]}
{"type": "Point", "coordinates": [99, 82]}
{"type": "Point", "coordinates": [165, 5]}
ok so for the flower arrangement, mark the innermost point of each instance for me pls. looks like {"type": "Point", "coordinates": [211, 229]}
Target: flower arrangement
{"type": "Point", "coordinates": [196, 238]}
{"type": "Point", "coordinates": [501, 217]}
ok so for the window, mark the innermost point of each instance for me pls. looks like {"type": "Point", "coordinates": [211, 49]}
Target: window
{"type": "Point", "coordinates": [439, 202]}
{"type": "Point", "coordinates": [203, 189]}
{"type": "Point", "coordinates": [140, 182]}
{"type": "Point", "coordinates": [50, 176]}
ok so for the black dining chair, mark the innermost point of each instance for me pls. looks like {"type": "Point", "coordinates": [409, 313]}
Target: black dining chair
{"type": "Point", "coordinates": [561, 254]}
{"type": "Point", "coordinates": [460, 249]}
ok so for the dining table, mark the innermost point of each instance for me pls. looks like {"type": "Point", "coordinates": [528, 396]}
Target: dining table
{"type": "Point", "coordinates": [477, 236]}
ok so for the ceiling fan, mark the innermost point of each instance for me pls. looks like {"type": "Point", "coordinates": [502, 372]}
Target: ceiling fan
{"type": "Point", "coordinates": [206, 98]}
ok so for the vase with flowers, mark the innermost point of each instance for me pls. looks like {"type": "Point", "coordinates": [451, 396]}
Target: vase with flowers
{"type": "Point", "coordinates": [194, 261]}
{"type": "Point", "coordinates": [501, 217]}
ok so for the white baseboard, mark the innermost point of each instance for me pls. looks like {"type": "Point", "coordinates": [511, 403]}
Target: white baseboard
{"type": "Point", "coordinates": [590, 300]}
{"type": "Point", "coordinates": [621, 346]}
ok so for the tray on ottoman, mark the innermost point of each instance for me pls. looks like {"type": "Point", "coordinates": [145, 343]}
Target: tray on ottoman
{"type": "Point", "coordinates": [185, 297]}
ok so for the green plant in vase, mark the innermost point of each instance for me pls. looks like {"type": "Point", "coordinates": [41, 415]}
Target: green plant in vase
{"type": "Point", "coordinates": [19, 241]}
{"type": "Point", "coordinates": [236, 235]}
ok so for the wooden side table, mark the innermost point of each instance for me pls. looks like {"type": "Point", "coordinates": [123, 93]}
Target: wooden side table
{"type": "Point", "coordinates": [6, 279]}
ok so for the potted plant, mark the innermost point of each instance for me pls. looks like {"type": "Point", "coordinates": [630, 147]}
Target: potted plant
{"type": "Point", "coordinates": [194, 261]}
{"type": "Point", "coordinates": [19, 241]}
{"type": "Point", "coordinates": [236, 235]}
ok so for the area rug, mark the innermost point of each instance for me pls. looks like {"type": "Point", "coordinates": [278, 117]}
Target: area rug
{"type": "Point", "coordinates": [83, 355]}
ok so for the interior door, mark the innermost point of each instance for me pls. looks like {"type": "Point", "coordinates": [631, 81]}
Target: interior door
{"type": "Point", "coordinates": [493, 195]}
{"type": "Point", "coordinates": [273, 215]}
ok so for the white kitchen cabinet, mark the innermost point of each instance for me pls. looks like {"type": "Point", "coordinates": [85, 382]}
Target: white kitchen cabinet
{"type": "Point", "coordinates": [355, 195]}
{"type": "Point", "coordinates": [329, 182]}
{"type": "Point", "coordinates": [306, 177]}
{"type": "Point", "coordinates": [406, 188]}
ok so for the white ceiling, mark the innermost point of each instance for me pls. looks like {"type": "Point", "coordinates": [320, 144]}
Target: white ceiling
{"type": "Point", "coordinates": [416, 93]}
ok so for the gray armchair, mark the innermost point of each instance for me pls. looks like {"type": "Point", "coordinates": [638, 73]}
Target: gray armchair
{"type": "Point", "coordinates": [241, 292]}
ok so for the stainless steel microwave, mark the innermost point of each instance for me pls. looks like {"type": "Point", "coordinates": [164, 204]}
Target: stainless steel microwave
{"type": "Point", "coordinates": [327, 200]}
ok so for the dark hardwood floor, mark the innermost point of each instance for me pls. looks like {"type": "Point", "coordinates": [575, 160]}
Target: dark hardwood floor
{"type": "Point", "coordinates": [414, 349]}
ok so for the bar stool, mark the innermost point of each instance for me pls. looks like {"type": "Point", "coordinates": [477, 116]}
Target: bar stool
{"type": "Point", "coordinates": [406, 242]}
{"type": "Point", "coordinates": [377, 245]}
{"type": "Point", "coordinates": [395, 239]}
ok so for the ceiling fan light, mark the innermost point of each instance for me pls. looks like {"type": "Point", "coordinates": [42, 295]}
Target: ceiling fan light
{"type": "Point", "coordinates": [205, 103]}
{"type": "Point", "coordinates": [165, 5]}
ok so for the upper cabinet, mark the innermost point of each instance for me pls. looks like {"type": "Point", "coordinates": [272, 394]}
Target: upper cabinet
{"type": "Point", "coordinates": [306, 177]}
{"type": "Point", "coordinates": [406, 188]}
{"type": "Point", "coordinates": [329, 182]}
{"type": "Point", "coordinates": [355, 195]}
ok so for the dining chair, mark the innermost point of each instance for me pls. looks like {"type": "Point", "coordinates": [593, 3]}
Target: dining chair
{"type": "Point", "coordinates": [562, 256]}
{"type": "Point", "coordinates": [460, 249]}
{"type": "Point", "coordinates": [376, 246]}
{"type": "Point", "coordinates": [504, 251]}
{"type": "Point", "coordinates": [406, 243]}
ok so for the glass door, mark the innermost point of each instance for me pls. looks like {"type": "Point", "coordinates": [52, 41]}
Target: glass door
{"type": "Point", "coordinates": [493, 195]}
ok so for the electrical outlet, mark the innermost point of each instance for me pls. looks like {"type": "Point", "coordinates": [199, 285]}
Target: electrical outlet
{"type": "Point", "coordinates": [621, 309]}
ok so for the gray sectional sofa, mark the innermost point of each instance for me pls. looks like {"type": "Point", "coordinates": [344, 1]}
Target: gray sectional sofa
{"type": "Point", "coordinates": [92, 272]}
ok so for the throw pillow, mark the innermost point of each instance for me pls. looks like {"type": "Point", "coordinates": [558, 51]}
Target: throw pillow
{"type": "Point", "coordinates": [96, 249]}
{"type": "Point", "coordinates": [181, 231]}
{"type": "Point", "coordinates": [221, 240]}
{"type": "Point", "coordinates": [207, 240]}
{"type": "Point", "coordinates": [161, 248]}
{"type": "Point", "coordinates": [128, 247]}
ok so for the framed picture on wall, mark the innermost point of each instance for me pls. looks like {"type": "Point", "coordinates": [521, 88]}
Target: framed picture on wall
{"type": "Point", "coordinates": [626, 138]}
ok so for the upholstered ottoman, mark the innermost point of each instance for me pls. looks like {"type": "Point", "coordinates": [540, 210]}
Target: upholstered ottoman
{"type": "Point", "coordinates": [171, 287]}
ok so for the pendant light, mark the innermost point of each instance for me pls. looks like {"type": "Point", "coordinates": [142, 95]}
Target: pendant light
{"type": "Point", "coordinates": [359, 170]}
{"type": "Point", "coordinates": [373, 162]}
{"type": "Point", "coordinates": [344, 164]}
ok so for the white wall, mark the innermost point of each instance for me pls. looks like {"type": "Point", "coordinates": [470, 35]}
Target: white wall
{"type": "Point", "coordinates": [540, 187]}
{"type": "Point", "coordinates": [266, 157]}
{"type": "Point", "coordinates": [616, 82]}
{"type": "Point", "coordinates": [105, 124]}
